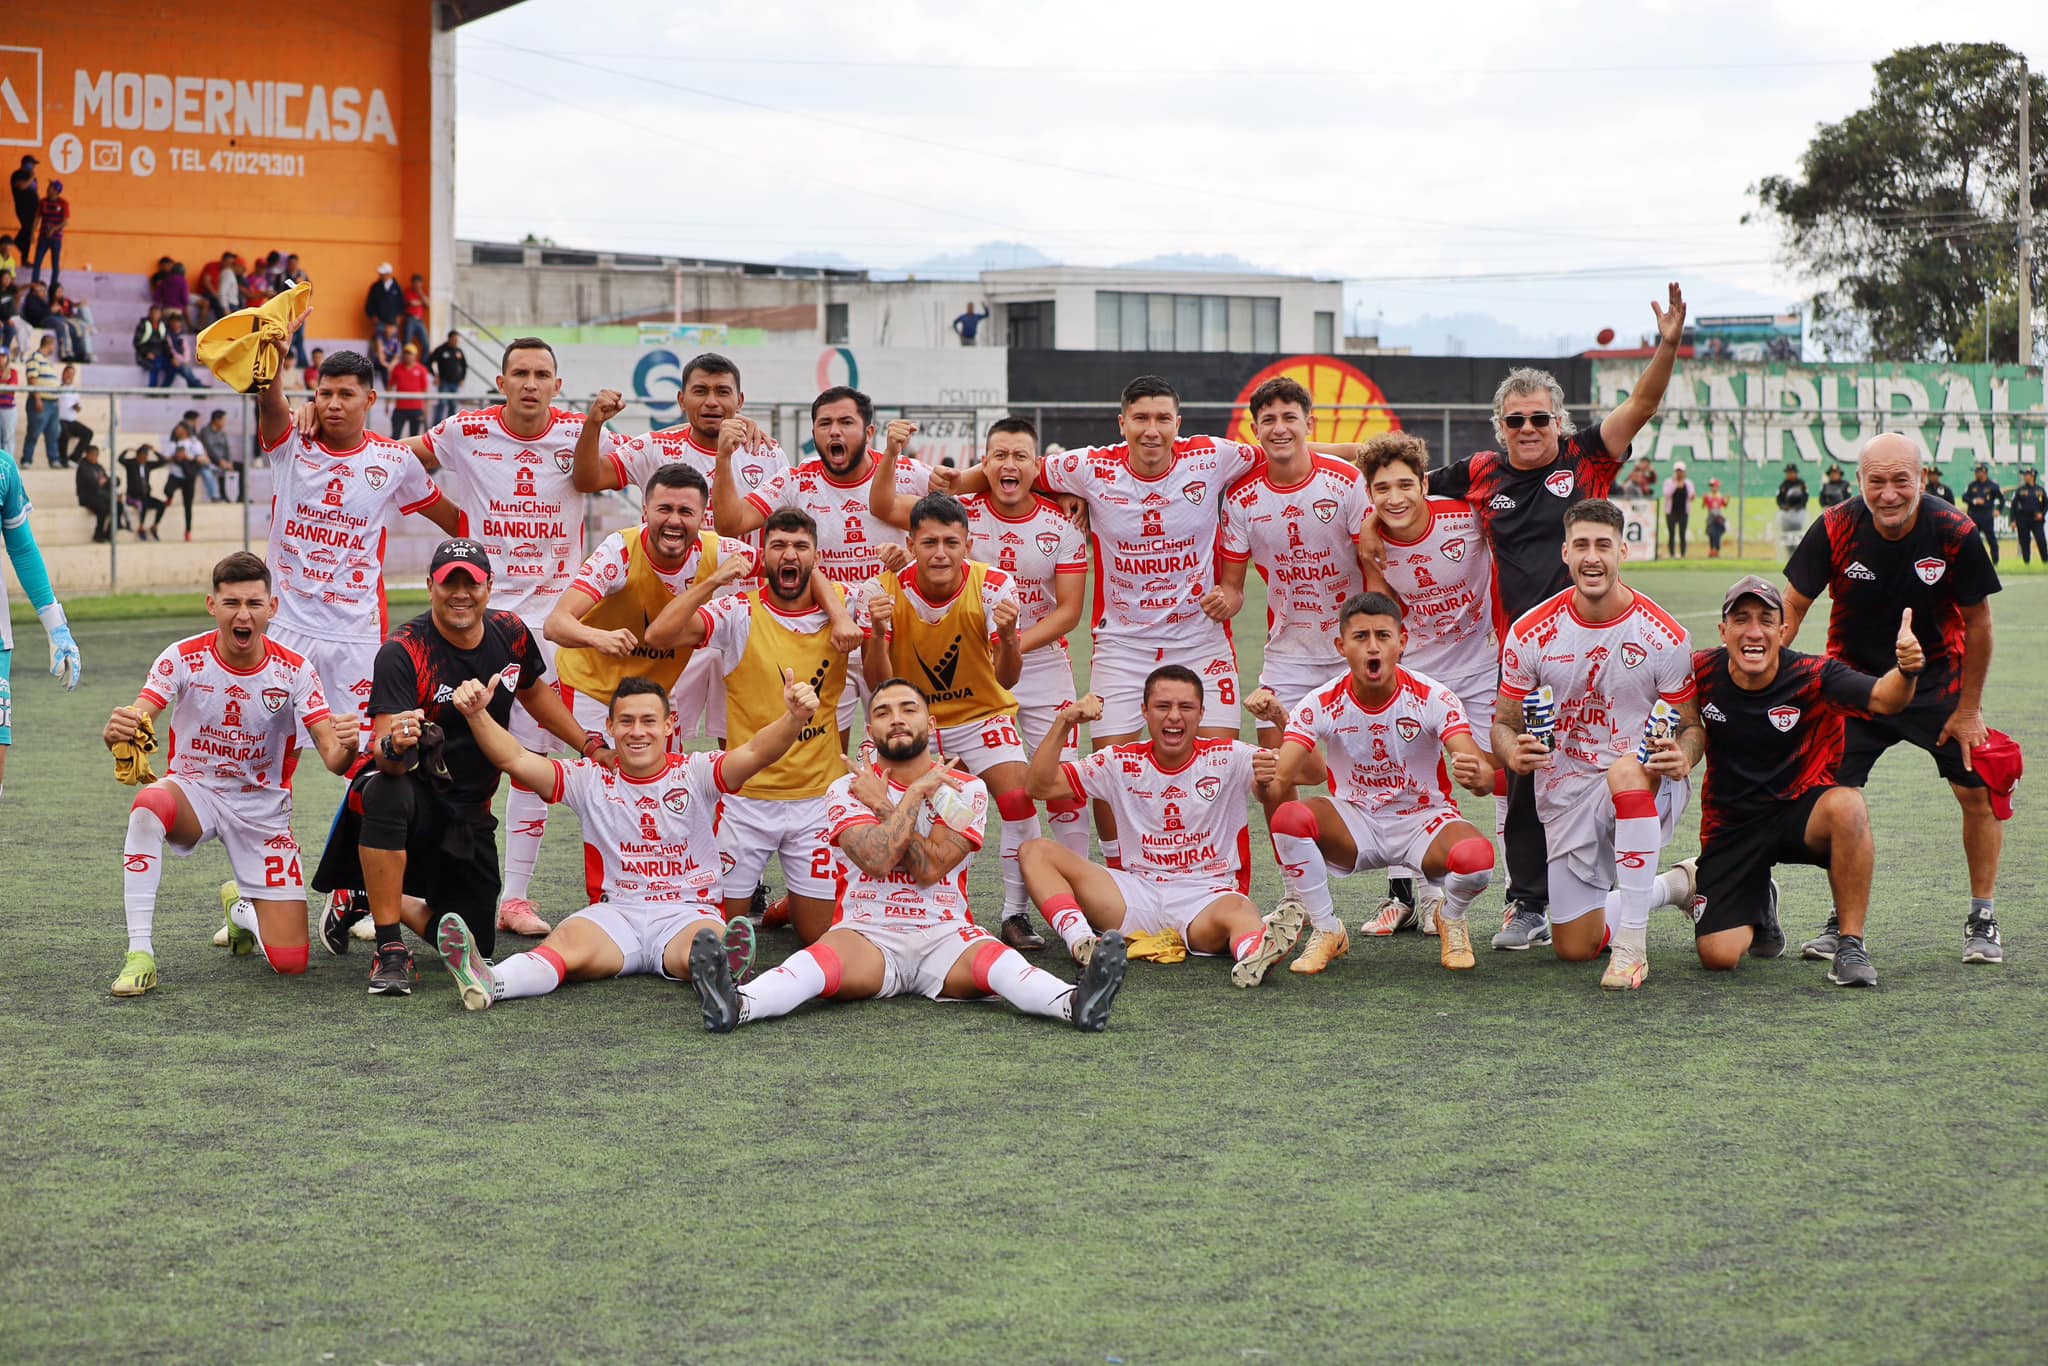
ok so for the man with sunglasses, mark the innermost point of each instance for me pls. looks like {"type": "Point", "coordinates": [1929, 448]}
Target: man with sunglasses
{"type": "Point", "coordinates": [1521, 494]}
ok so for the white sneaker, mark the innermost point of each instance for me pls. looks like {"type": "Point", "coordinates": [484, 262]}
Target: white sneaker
{"type": "Point", "coordinates": [364, 929]}
{"type": "Point", "coordinates": [220, 936]}
{"type": "Point", "coordinates": [1432, 899]}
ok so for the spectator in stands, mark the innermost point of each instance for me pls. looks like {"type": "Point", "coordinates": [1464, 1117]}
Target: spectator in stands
{"type": "Point", "coordinates": [1641, 481]}
{"type": "Point", "coordinates": [385, 304]}
{"type": "Point", "coordinates": [290, 274]}
{"type": "Point", "coordinates": [969, 323]}
{"type": "Point", "coordinates": [409, 377]}
{"type": "Point", "coordinates": [95, 491]}
{"type": "Point", "coordinates": [152, 347]}
{"type": "Point", "coordinates": [35, 306]}
{"type": "Point", "coordinates": [384, 353]}
{"type": "Point", "coordinates": [28, 204]}
{"type": "Point", "coordinates": [311, 379]}
{"type": "Point", "coordinates": [10, 401]}
{"type": "Point", "coordinates": [414, 329]}
{"type": "Point", "coordinates": [16, 336]}
{"type": "Point", "coordinates": [71, 320]}
{"type": "Point", "coordinates": [1835, 489]}
{"type": "Point", "coordinates": [221, 464]}
{"type": "Point", "coordinates": [73, 436]}
{"type": "Point", "coordinates": [260, 282]}
{"type": "Point", "coordinates": [220, 288]}
{"type": "Point", "coordinates": [1715, 503]}
{"type": "Point", "coordinates": [1792, 498]}
{"type": "Point", "coordinates": [450, 368]}
{"type": "Point", "coordinates": [10, 256]}
{"type": "Point", "coordinates": [56, 213]}
{"type": "Point", "coordinates": [181, 341]}
{"type": "Point", "coordinates": [41, 410]}
{"type": "Point", "coordinates": [188, 458]}
{"type": "Point", "coordinates": [138, 466]}
{"type": "Point", "coordinates": [170, 288]}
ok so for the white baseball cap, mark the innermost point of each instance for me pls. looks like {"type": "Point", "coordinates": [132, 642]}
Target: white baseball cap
{"type": "Point", "coordinates": [385, 269]}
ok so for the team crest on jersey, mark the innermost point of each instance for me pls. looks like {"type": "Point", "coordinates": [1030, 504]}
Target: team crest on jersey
{"type": "Point", "coordinates": [1454, 549]}
{"type": "Point", "coordinates": [753, 474]}
{"type": "Point", "coordinates": [676, 800]}
{"type": "Point", "coordinates": [1632, 654]}
{"type": "Point", "coordinates": [1697, 909]}
{"type": "Point", "coordinates": [1409, 727]}
{"type": "Point", "coordinates": [564, 460]}
{"type": "Point", "coordinates": [1207, 786]}
{"type": "Point", "coordinates": [163, 666]}
{"type": "Point", "coordinates": [726, 862]}
{"type": "Point", "coordinates": [375, 475]}
{"type": "Point", "coordinates": [1560, 483]}
{"type": "Point", "coordinates": [1784, 718]}
{"type": "Point", "coordinates": [274, 699]}
{"type": "Point", "coordinates": [1930, 569]}
{"type": "Point", "coordinates": [1048, 542]}
{"type": "Point", "coordinates": [1325, 509]}
{"type": "Point", "coordinates": [509, 676]}
{"type": "Point", "coordinates": [1193, 492]}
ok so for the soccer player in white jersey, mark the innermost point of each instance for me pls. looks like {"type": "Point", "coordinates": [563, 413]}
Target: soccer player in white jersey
{"type": "Point", "coordinates": [1387, 731]}
{"type": "Point", "coordinates": [834, 490]}
{"type": "Point", "coordinates": [1180, 799]}
{"type": "Point", "coordinates": [904, 830]}
{"type": "Point", "coordinates": [1025, 535]}
{"type": "Point", "coordinates": [1609, 655]}
{"type": "Point", "coordinates": [711, 398]}
{"type": "Point", "coordinates": [511, 468]}
{"type": "Point", "coordinates": [650, 846]}
{"type": "Point", "coordinates": [337, 490]}
{"type": "Point", "coordinates": [1439, 567]}
{"type": "Point", "coordinates": [237, 702]}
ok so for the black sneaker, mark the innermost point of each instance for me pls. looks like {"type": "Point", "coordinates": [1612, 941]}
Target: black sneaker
{"type": "Point", "coordinates": [1769, 941]}
{"type": "Point", "coordinates": [1523, 927]}
{"type": "Point", "coordinates": [342, 911]}
{"type": "Point", "coordinates": [1851, 967]}
{"type": "Point", "coordinates": [1822, 945]}
{"type": "Point", "coordinates": [1016, 932]}
{"type": "Point", "coordinates": [1981, 943]}
{"type": "Point", "coordinates": [711, 974]}
{"type": "Point", "coordinates": [392, 972]}
{"type": "Point", "coordinates": [1100, 979]}
{"type": "Point", "coordinates": [757, 905]}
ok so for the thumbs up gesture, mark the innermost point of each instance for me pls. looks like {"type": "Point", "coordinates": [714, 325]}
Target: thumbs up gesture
{"type": "Point", "coordinates": [800, 698]}
{"type": "Point", "coordinates": [1912, 658]}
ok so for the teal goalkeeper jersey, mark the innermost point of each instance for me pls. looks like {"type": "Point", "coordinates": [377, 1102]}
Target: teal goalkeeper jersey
{"type": "Point", "coordinates": [14, 510]}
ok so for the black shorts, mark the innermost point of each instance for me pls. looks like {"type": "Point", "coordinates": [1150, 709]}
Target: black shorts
{"type": "Point", "coordinates": [1866, 737]}
{"type": "Point", "coordinates": [1735, 866]}
{"type": "Point", "coordinates": [451, 857]}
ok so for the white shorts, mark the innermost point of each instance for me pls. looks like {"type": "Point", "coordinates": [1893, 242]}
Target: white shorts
{"type": "Point", "coordinates": [1118, 672]}
{"type": "Point", "coordinates": [643, 933]}
{"type": "Point", "coordinates": [590, 714]}
{"type": "Point", "coordinates": [256, 830]}
{"type": "Point", "coordinates": [982, 745]}
{"type": "Point", "coordinates": [1293, 677]}
{"type": "Point", "coordinates": [524, 728]}
{"type": "Point", "coordinates": [1034, 723]}
{"type": "Point", "coordinates": [916, 958]}
{"type": "Point", "coordinates": [1048, 678]}
{"type": "Point", "coordinates": [1476, 698]}
{"type": "Point", "coordinates": [344, 667]}
{"type": "Point", "coordinates": [1393, 841]}
{"type": "Point", "coordinates": [751, 830]}
{"type": "Point", "coordinates": [1581, 843]}
{"type": "Point", "coordinates": [699, 698]}
{"type": "Point", "coordinates": [853, 699]}
{"type": "Point", "coordinates": [1150, 907]}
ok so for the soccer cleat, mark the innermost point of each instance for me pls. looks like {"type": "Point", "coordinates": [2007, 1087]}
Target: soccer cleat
{"type": "Point", "coordinates": [1522, 927]}
{"type": "Point", "coordinates": [1430, 909]}
{"type": "Point", "coordinates": [757, 905]}
{"type": "Point", "coordinates": [392, 972]}
{"type": "Point", "coordinates": [1690, 867]}
{"type": "Point", "coordinates": [1088, 1007]}
{"type": "Point", "coordinates": [1626, 969]}
{"type": "Point", "coordinates": [1393, 915]}
{"type": "Point", "coordinates": [739, 942]}
{"type": "Point", "coordinates": [1981, 943]}
{"type": "Point", "coordinates": [472, 973]}
{"type": "Point", "coordinates": [517, 915]}
{"type": "Point", "coordinates": [1016, 931]}
{"type": "Point", "coordinates": [138, 974]}
{"type": "Point", "coordinates": [1283, 928]}
{"type": "Point", "coordinates": [711, 975]}
{"type": "Point", "coordinates": [1324, 948]}
{"type": "Point", "coordinates": [1822, 945]}
{"type": "Point", "coordinates": [1769, 938]}
{"type": "Point", "coordinates": [1456, 949]}
{"type": "Point", "coordinates": [1084, 950]}
{"type": "Point", "coordinates": [1851, 966]}
{"type": "Point", "coordinates": [241, 943]}
{"type": "Point", "coordinates": [220, 936]}
{"type": "Point", "coordinates": [341, 913]}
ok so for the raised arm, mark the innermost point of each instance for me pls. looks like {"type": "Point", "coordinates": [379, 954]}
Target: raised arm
{"type": "Point", "coordinates": [1895, 690]}
{"type": "Point", "coordinates": [1042, 777]}
{"type": "Point", "coordinates": [529, 770]}
{"type": "Point", "coordinates": [678, 616]}
{"type": "Point", "coordinates": [1009, 649]}
{"type": "Point", "coordinates": [874, 649]}
{"type": "Point", "coordinates": [545, 705]}
{"type": "Point", "coordinates": [1632, 413]}
{"type": "Point", "coordinates": [273, 409]}
{"type": "Point", "coordinates": [731, 512]}
{"type": "Point", "coordinates": [565, 627]}
{"type": "Point", "coordinates": [336, 737]}
{"type": "Point", "coordinates": [883, 499]}
{"type": "Point", "coordinates": [591, 472]}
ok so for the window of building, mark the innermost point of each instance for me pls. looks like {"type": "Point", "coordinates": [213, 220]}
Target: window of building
{"type": "Point", "coordinates": [1326, 332]}
{"type": "Point", "coordinates": [1130, 321]}
{"type": "Point", "coordinates": [838, 327]}
{"type": "Point", "coordinates": [1029, 326]}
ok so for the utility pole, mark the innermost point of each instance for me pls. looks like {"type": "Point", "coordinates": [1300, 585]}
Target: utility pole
{"type": "Point", "coordinates": [2026, 222]}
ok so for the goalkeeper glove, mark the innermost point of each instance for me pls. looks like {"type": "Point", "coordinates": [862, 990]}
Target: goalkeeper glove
{"type": "Point", "coordinates": [65, 664]}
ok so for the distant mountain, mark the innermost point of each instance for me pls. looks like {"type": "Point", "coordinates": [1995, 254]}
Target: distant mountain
{"type": "Point", "coordinates": [1223, 264]}
{"type": "Point", "coordinates": [1475, 334]}
{"type": "Point", "coordinates": [986, 256]}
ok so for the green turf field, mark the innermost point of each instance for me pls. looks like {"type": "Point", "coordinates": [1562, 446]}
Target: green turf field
{"type": "Point", "coordinates": [1385, 1162]}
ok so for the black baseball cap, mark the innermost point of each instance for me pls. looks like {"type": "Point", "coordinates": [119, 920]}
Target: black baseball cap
{"type": "Point", "coordinates": [1753, 586]}
{"type": "Point", "coordinates": [459, 550]}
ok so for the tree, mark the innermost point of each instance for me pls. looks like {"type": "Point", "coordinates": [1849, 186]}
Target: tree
{"type": "Point", "coordinates": [1907, 207]}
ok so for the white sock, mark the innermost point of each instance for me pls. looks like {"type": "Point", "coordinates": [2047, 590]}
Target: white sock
{"type": "Point", "coordinates": [1637, 842]}
{"type": "Point", "coordinates": [1670, 890]}
{"type": "Point", "coordinates": [243, 913]}
{"type": "Point", "coordinates": [1634, 938]}
{"type": "Point", "coordinates": [799, 978]}
{"type": "Point", "coordinates": [1067, 920]}
{"type": "Point", "coordinates": [143, 859]}
{"type": "Point", "coordinates": [1500, 822]}
{"type": "Point", "coordinates": [526, 817]}
{"type": "Point", "coordinates": [1012, 977]}
{"type": "Point", "coordinates": [1070, 828]}
{"type": "Point", "coordinates": [1462, 889]}
{"type": "Point", "coordinates": [1015, 900]}
{"type": "Point", "coordinates": [523, 974]}
{"type": "Point", "coordinates": [1306, 875]}
{"type": "Point", "coordinates": [1112, 853]}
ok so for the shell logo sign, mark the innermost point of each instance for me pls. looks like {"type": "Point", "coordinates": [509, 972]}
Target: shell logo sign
{"type": "Point", "coordinates": [1333, 384]}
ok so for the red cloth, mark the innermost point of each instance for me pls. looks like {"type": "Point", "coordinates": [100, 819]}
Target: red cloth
{"type": "Point", "coordinates": [411, 375]}
{"type": "Point", "coordinates": [1999, 763]}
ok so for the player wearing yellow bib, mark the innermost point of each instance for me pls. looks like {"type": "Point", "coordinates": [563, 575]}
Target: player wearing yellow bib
{"type": "Point", "coordinates": [757, 635]}
{"type": "Point", "coordinates": [950, 625]}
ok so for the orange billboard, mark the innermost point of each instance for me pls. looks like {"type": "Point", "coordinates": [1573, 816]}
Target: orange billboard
{"type": "Point", "coordinates": [187, 131]}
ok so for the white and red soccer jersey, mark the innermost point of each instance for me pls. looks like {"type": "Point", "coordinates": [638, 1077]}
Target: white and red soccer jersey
{"type": "Point", "coordinates": [1605, 677]}
{"type": "Point", "coordinates": [1034, 550]}
{"type": "Point", "coordinates": [637, 458]}
{"type": "Point", "coordinates": [1444, 579]}
{"type": "Point", "coordinates": [1304, 541]}
{"type": "Point", "coordinates": [896, 899]}
{"type": "Point", "coordinates": [603, 572]}
{"type": "Point", "coordinates": [330, 511]}
{"type": "Point", "coordinates": [1184, 825]}
{"type": "Point", "coordinates": [1155, 539]}
{"type": "Point", "coordinates": [848, 530]}
{"type": "Point", "coordinates": [233, 731]}
{"type": "Point", "coordinates": [1388, 761]}
{"type": "Point", "coordinates": [648, 842]}
{"type": "Point", "coordinates": [518, 502]}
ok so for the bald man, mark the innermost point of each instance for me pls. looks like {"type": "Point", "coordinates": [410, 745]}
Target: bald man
{"type": "Point", "coordinates": [1894, 547]}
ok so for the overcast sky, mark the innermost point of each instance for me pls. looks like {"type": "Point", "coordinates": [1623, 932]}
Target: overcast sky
{"type": "Point", "coordinates": [1579, 153]}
